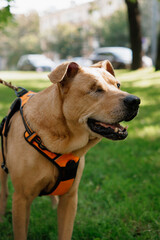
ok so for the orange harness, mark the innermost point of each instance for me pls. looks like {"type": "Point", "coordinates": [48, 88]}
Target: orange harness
{"type": "Point", "coordinates": [67, 164]}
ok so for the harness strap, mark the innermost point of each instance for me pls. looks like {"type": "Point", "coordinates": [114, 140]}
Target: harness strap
{"type": "Point", "coordinates": [67, 164]}
{"type": "Point", "coordinates": [2, 146]}
{"type": "Point", "coordinates": [4, 128]}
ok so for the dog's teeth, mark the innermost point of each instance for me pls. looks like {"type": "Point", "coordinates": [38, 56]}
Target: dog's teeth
{"type": "Point", "coordinates": [116, 129]}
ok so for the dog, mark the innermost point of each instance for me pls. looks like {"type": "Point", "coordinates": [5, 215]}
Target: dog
{"type": "Point", "coordinates": [83, 105]}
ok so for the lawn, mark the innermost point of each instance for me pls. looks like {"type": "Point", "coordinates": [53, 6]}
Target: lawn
{"type": "Point", "coordinates": [119, 194]}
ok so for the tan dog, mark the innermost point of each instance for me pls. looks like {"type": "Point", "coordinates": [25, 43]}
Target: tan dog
{"type": "Point", "coordinates": [71, 116]}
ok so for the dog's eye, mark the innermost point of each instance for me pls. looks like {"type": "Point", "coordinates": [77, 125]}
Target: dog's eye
{"type": "Point", "coordinates": [94, 89]}
{"type": "Point", "coordinates": [118, 85]}
{"type": "Point", "coordinates": [99, 90]}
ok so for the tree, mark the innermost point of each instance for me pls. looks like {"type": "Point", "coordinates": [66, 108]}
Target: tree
{"type": "Point", "coordinates": [5, 14]}
{"type": "Point", "coordinates": [113, 30]}
{"type": "Point", "coordinates": [66, 39]}
{"type": "Point", "coordinates": [20, 38]}
{"type": "Point", "coordinates": [157, 65]}
{"type": "Point", "coordinates": [135, 32]}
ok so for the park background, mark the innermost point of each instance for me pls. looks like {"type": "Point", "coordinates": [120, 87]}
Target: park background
{"type": "Point", "coordinates": [121, 198]}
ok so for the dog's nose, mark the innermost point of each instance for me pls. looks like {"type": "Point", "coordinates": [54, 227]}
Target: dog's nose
{"type": "Point", "coordinates": [131, 101]}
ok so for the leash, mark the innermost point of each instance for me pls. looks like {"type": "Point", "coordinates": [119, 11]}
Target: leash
{"type": "Point", "coordinates": [8, 84]}
{"type": "Point", "coordinates": [19, 91]}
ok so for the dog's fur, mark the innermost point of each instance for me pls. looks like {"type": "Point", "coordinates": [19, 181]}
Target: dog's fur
{"type": "Point", "coordinates": [59, 115]}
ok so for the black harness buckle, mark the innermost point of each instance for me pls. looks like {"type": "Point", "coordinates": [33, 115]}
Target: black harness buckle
{"type": "Point", "coordinates": [3, 166]}
{"type": "Point", "coordinates": [21, 92]}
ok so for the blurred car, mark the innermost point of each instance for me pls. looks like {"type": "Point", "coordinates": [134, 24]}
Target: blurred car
{"type": "Point", "coordinates": [120, 57]}
{"type": "Point", "coordinates": [35, 62]}
{"type": "Point", "coordinates": [82, 61]}
{"type": "Point", "coordinates": [147, 61]}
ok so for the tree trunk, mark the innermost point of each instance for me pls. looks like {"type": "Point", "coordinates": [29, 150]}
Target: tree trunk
{"type": "Point", "coordinates": [135, 32]}
{"type": "Point", "coordinates": [157, 66]}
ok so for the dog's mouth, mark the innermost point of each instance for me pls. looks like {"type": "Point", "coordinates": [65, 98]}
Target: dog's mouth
{"type": "Point", "coordinates": [111, 131]}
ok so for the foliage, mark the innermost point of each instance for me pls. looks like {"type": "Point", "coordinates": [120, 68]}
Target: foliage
{"type": "Point", "coordinates": [5, 14]}
{"type": "Point", "coordinates": [132, 1]}
{"type": "Point", "coordinates": [157, 65]}
{"type": "Point", "coordinates": [113, 31]}
{"type": "Point", "coordinates": [66, 39]}
{"type": "Point", "coordinates": [70, 40]}
{"type": "Point", "coordinates": [119, 194]}
{"type": "Point", "coordinates": [20, 38]}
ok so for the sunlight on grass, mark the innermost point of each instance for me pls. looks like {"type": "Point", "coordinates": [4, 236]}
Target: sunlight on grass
{"type": "Point", "coordinates": [140, 78]}
{"type": "Point", "coordinates": [38, 84]}
{"type": "Point", "coordinates": [148, 101]}
{"type": "Point", "coordinates": [3, 105]}
{"type": "Point", "coordinates": [150, 132]}
{"type": "Point", "coordinates": [128, 75]}
{"type": "Point", "coordinates": [20, 75]}
{"type": "Point", "coordinates": [147, 83]}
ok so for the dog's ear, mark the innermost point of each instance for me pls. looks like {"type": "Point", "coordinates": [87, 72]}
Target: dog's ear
{"type": "Point", "coordinates": [67, 69]}
{"type": "Point", "coordinates": [106, 65]}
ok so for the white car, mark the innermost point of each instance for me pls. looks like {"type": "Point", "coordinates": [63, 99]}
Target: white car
{"type": "Point", "coordinates": [35, 62]}
{"type": "Point", "coordinates": [120, 57]}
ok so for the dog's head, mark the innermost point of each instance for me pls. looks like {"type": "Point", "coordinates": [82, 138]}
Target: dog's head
{"type": "Point", "coordinates": [92, 99]}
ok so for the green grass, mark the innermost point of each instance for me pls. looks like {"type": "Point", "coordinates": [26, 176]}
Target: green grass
{"type": "Point", "coordinates": [119, 194]}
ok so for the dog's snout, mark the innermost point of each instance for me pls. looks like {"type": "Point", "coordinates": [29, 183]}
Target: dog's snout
{"type": "Point", "coordinates": [131, 101]}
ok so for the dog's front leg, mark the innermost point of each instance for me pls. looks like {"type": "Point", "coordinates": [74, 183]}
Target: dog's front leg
{"type": "Point", "coordinates": [20, 214]}
{"type": "Point", "coordinates": [66, 214]}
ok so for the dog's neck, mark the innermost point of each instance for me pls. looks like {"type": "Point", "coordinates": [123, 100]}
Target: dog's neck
{"type": "Point", "coordinates": [45, 116]}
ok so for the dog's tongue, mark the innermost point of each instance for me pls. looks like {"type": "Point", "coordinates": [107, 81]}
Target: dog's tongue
{"type": "Point", "coordinates": [116, 126]}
